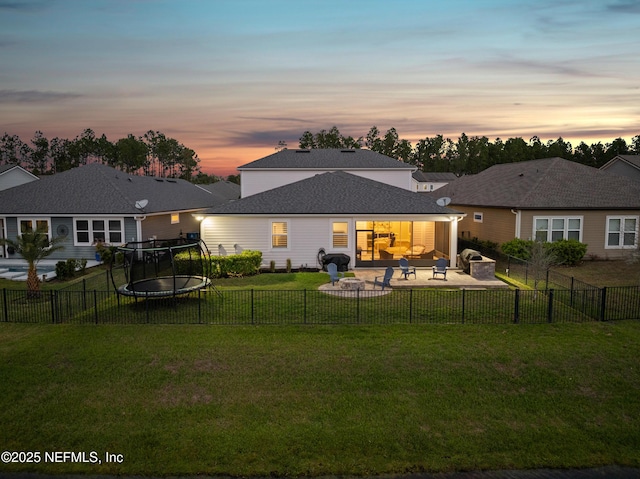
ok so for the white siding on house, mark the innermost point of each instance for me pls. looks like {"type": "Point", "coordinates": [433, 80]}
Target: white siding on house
{"type": "Point", "coordinates": [425, 187]}
{"type": "Point", "coordinates": [305, 237]}
{"type": "Point", "coordinates": [257, 181]}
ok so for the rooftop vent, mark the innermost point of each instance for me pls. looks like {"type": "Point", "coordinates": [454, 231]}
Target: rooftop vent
{"type": "Point", "coordinates": [159, 179]}
{"type": "Point", "coordinates": [303, 151]}
{"type": "Point", "coordinates": [347, 151]}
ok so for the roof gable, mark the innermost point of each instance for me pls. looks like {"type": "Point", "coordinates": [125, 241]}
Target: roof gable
{"type": "Point", "coordinates": [327, 159]}
{"type": "Point", "coordinates": [631, 160]}
{"type": "Point", "coordinates": [333, 193]}
{"type": "Point", "coordinates": [100, 189]}
{"type": "Point", "coordinates": [552, 183]}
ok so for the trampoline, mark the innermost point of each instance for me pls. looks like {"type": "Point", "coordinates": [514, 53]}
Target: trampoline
{"type": "Point", "coordinates": [162, 268]}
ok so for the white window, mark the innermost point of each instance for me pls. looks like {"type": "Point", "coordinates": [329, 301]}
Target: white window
{"type": "Point", "coordinates": [554, 228]}
{"type": "Point", "coordinates": [28, 224]}
{"type": "Point", "coordinates": [340, 234]}
{"type": "Point", "coordinates": [280, 234]}
{"type": "Point", "coordinates": [478, 217]}
{"type": "Point", "coordinates": [622, 232]}
{"type": "Point", "coordinates": [103, 230]}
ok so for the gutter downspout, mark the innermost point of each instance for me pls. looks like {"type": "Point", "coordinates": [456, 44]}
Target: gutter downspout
{"type": "Point", "coordinates": [139, 220]}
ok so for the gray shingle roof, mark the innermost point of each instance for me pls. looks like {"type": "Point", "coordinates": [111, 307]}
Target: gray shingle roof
{"type": "Point", "coordinates": [100, 189]}
{"type": "Point", "coordinates": [426, 176]}
{"type": "Point", "coordinates": [333, 193]}
{"type": "Point", "coordinates": [327, 159]}
{"type": "Point", "coordinates": [223, 190]}
{"type": "Point", "coordinates": [552, 183]}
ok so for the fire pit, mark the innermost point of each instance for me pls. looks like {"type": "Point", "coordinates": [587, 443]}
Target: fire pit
{"type": "Point", "coordinates": [351, 284]}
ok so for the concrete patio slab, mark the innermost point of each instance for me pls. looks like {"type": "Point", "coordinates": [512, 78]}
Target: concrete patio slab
{"type": "Point", "coordinates": [456, 279]}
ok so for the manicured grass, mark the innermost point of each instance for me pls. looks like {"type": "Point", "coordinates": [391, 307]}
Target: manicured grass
{"type": "Point", "coordinates": [316, 400]}
{"type": "Point", "coordinates": [604, 273]}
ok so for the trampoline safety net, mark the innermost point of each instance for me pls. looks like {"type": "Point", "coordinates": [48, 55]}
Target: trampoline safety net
{"type": "Point", "coordinates": [163, 267]}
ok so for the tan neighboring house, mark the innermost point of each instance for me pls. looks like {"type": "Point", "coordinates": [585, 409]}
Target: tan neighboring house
{"type": "Point", "coordinates": [624, 165]}
{"type": "Point", "coordinates": [549, 199]}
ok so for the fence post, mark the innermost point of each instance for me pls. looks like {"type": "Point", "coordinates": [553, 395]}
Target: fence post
{"type": "Point", "coordinates": [4, 302]}
{"type": "Point", "coordinates": [146, 304]}
{"type": "Point", "coordinates": [95, 305]}
{"type": "Point", "coordinates": [52, 295]}
{"type": "Point", "coordinates": [550, 308]}
{"type": "Point", "coordinates": [410, 305]}
{"type": "Point", "coordinates": [252, 313]}
{"type": "Point", "coordinates": [199, 308]}
{"type": "Point", "coordinates": [305, 307]}
{"type": "Point", "coordinates": [357, 305]}
{"type": "Point", "coordinates": [546, 280]}
{"type": "Point", "coordinates": [84, 294]}
{"type": "Point", "coordinates": [516, 307]}
{"type": "Point", "coordinates": [463, 303]}
{"type": "Point", "coordinates": [603, 304]}
{"type": "Point", "coordinates": [571, 294]}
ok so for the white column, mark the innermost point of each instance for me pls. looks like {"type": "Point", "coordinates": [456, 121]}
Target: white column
{"type": "Point", "coordinates": [453, 242]}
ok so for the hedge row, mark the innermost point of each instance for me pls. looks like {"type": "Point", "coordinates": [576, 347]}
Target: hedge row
{"type": "Point", "coordinates": [246, 263]}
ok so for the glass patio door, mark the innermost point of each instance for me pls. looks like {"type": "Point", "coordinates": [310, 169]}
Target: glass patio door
{"type": "Point", "coordinates": [364, 247]}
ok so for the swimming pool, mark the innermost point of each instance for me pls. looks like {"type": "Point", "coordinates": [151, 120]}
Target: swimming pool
{"type": "Point", "coordinates": [18, 271]}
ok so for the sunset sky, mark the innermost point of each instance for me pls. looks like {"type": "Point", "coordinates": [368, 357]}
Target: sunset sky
{"type": "Point", "coordinates": [231, 78]}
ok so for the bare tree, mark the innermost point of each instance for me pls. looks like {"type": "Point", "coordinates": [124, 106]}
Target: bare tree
{"type": "Point", "coordinates": [539, 263]}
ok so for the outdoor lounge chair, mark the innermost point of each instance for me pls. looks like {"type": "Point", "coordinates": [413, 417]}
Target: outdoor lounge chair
{"type": "Point", "coordinates": [440, 268]}
{"type": "Point", "coordinates": [386, 279]}
{"type": "Point", "coordinates": [405, 269]}
{"type": "Point", "coordinates": [334, 275]}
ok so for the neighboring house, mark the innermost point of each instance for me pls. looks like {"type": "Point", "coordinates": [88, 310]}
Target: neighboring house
{"type": "Point", "coordinates": [624, 165]}
{"type": "Point", "coordinates": [14, 175]}
{"type": "Point", "coordinates": [305, 205]}
{"type": "Point", "coordinates": [223, 191]}
{"type": "Point", "coordinates": [424, 182]}
{"type": "Point", "coordinates": [288, 166]}
{"type": "Point", "coordinates": [549, 199]}
{"type": "Point", "coordinates": [98, 203]}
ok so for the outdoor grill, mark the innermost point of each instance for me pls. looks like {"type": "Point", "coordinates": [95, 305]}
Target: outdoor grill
{"type": "Point", "coordinates": [341, 260]}
{"type": "Point", "coordinates": [467, 256]}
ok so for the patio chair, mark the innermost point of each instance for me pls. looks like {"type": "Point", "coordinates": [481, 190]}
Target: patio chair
{"type": "Point", "coordinates": [334, 275]}
{"type": "Point", "coordinates": [405, 269]}
{"type": "Point", "coordinates": [440, 268]}
{"type": "Point", "coordinates": [386, 279]}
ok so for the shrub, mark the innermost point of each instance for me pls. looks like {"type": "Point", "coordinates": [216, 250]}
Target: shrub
{"type": "Point", "coordinates": [105, 252]}
{"type": "Point", "coordinates": [62, 270]}
{"type": "Point", "coordinates": [518, 248]}
{"type": "Point", "coordinates": [246, 263]}
{"type": "Point", "coordinates": [568, 252]}
{"type": "Point", "coordinates": [67, 269]}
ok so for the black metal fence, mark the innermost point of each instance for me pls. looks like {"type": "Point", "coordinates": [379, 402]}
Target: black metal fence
{"type": "Point", "coordinates": [316, 307]}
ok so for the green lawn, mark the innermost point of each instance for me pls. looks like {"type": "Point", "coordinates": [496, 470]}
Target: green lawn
{"type": "Point", "coordinates": [320, 400]}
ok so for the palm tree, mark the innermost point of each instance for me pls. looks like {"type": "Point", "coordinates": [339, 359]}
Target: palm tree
{"type": "Point", "coordinates": [34, 245]}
